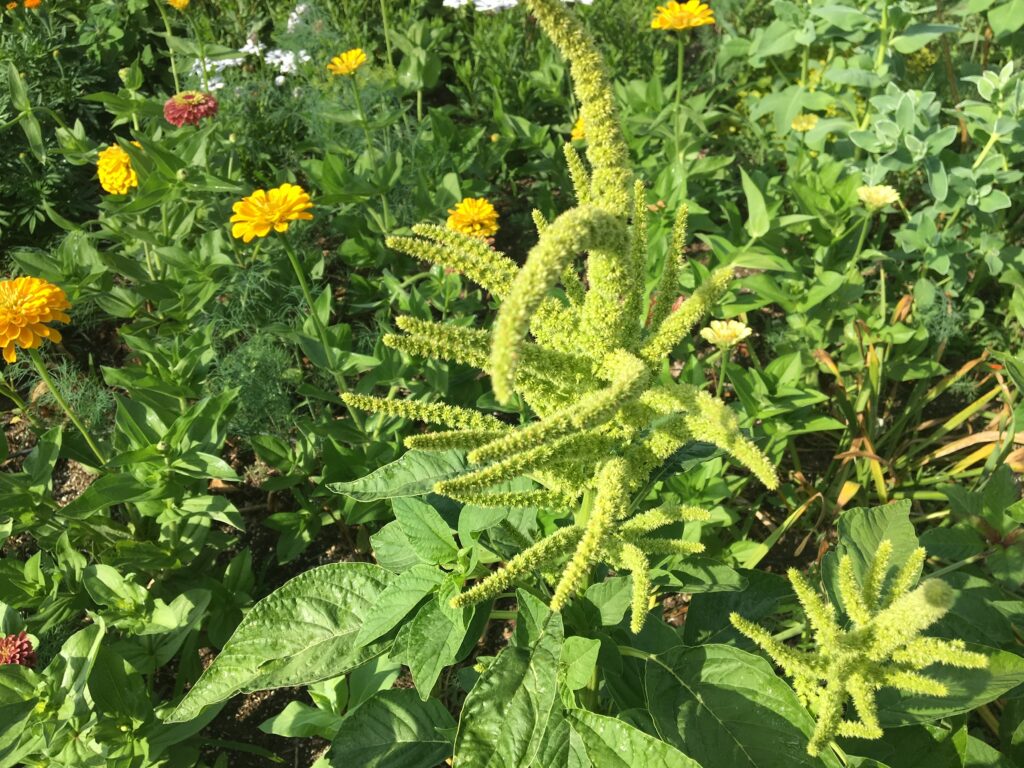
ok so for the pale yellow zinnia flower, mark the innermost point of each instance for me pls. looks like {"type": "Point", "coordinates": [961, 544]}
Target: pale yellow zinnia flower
{"type": "Point", "coordinates": [878, 196]}
{"type": "Point", "coordinates": [804, 123]}
{"type": "Point", "coordinates": [474, 216]}
{"type": "Point", "coordinates": [725, 333]}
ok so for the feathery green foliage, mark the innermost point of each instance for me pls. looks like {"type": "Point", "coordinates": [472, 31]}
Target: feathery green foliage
{"type": "Point", "coordinates": [882, 647]}
{"type": "Point", "coordinates": [590, 374]}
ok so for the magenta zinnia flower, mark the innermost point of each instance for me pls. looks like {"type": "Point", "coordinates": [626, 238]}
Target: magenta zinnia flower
{"type": "Point", "coordinates": [17, 649]}
{"type": "Point", "coordinates": [189, 107]}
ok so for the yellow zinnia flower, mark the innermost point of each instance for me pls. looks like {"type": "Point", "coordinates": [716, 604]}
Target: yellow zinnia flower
{"type": "Point", "coordinates": [725, 333]}
{"type": "Point", "coordinates": [114, 168]}
{"type": "Point", "coordinates": [673, 15]}
{"type": "Point", "coordinates": [878, 196]}
{"type": "Point", "coordinates": [26, 305]}
{"type": "Point", "coordinates": [474, 216]}
{"type": "Point", "coordinates": [804, 123]}
{"type": "Point", "coordinates": [263, 210]}
{"type": "Point", "coordinates": [178, 5]}
{"type": "Point", "coordinates": [579, 131]}
{"type": "Point", "coordinates": [348, 62]}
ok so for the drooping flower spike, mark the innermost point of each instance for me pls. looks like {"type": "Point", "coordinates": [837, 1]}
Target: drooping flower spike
{"type": "Point", "coordinates": [882, 648]}
{"type": "Point", "coordinates": [27, 304]}
{"type": "Point", "coordinates": [583, 361]}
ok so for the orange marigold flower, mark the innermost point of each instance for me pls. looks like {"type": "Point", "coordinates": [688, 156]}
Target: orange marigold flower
{"type": "Point", "coordinates": [114, 168]}
{"type": "Point", "coordinates": [673, 15]}
{"type": "Point", "coordinates": [474, 216]}
{"type": "Point", "coordinates": [33, 3]}
{"type": "Point", "coordinates": [26, 305]}
{"type": "Point", "coordinates": [265, 210]}
{"type": "Point", "coordinates": [348, 62]}
{"type": "Point", "coordinates": [189, 107]}
{"type": "Point", "coordinates": [11, 6]}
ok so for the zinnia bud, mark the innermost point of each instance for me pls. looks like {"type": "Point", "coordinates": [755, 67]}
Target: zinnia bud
{"type": "Point", "coordinates": [189, 107]}
{"type": "Point", "coordinates": [17, 649]}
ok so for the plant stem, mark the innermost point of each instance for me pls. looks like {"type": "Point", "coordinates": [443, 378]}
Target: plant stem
{"type": "Point", "coordinates": [986, 149]}
{"type": "Point", "coordinates": [44, 374]}
{"type": "Point", "coordinates": [321, 330]}
{"type": "Point", "coordinates": [680, 54]}
{"type": "Point", "coordinates": [369, 144]}
{"type": "Point", "coordinates": [170, 51]}
{"type": "Point", "coordinates": [387, 32]}
{"type": "Point", "coordinates": [721, 373]}
{"type": "Point", "coordinates": [863, 237]}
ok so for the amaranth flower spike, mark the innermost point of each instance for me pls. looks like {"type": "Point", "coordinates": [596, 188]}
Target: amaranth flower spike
{"type": "Point", "coordinates": [881, 648]}
{"type": "Point", "coordinates": [591, 373]}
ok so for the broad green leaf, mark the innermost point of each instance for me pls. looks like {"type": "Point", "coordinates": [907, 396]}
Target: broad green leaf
{"type": "Point", "coordinates": [412, 475]}
{"type": "Point", "coordinates": [758, 222]}
{"type": "Point", "coordinates": [301, 633]}
{"type": "Point", "coordinates": [981, 755]}
{"type": "Point", "coordinates": [431, 642]}
{"type": "Point", "coordinates": [394, 729]}
{"type": "Point", "coordinates": [917, 36]}
{"type": "Point", "coordinates": [707, 618]}
{"type": "Point", "coordinates": [427, 532]}
{"type": "Point", "coordinates": [612, 743]}
{"type": "Point", "coordinates": [861, 530]}
{"type": "Point", "coordinates": [579, 659]}
{"type": "Point", "coordinates": [703, 574]}
{"type": "Point", "coordinates": [17, 700]}
{"type": "Point", "coordinates": [968, 690]}
{"type": "Point", "coordinates": [921, 746]}
{"type": "Point", "coordinates": [726, 707]}
{"type": "Point", "coordinates": [109, 490]}
{"type": "Point", "coordinates": [300, 721]}
{"type": "Point", "coordinates": [400, 597]}
{"type": "Point", "coordinates": [505, 716]}
{"type": "Point", "coordinates": [391, 548]}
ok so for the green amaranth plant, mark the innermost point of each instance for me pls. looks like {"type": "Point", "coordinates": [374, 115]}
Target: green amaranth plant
{"type": "Point", "coordinates": [606, 417]}
{"type": "Point", "coordinates": [882, 648]}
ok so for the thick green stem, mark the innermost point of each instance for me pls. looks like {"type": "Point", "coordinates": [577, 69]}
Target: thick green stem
{"type": "Point", "coordinates": [44, 374]}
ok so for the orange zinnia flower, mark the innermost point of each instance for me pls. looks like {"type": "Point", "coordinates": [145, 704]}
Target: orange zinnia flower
{"type": "Point", "coordinates": [26, 305]}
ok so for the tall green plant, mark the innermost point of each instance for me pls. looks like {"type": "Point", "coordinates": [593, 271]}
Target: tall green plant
{"type": "Point", "coordinates": [605, 419]}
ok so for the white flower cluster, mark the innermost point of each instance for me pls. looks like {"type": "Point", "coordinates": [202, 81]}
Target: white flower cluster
{"type": "Point", "coordinates": [494, 5]}
{"type": "Point", "coordinates": [285, 62]}
{"type": "Point", "coordinates": [295, 17]}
